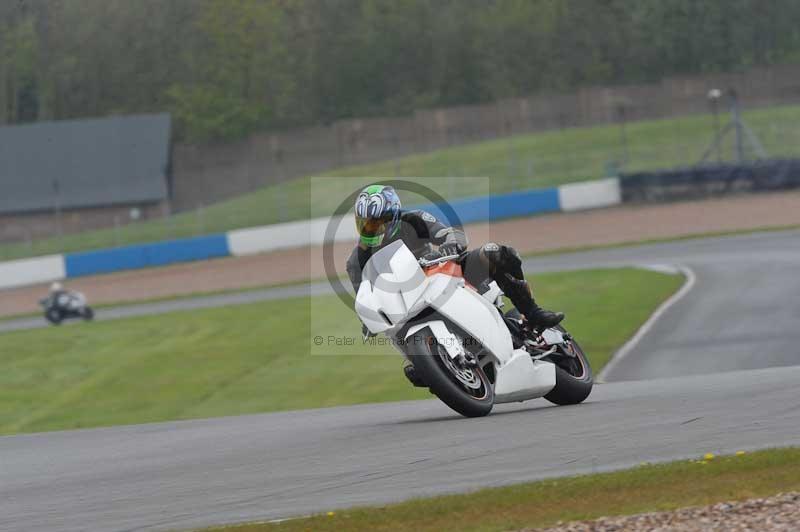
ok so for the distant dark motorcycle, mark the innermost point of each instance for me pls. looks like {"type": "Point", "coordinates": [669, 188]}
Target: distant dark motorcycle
{"type": "Point", "coordinates": [66, 305]}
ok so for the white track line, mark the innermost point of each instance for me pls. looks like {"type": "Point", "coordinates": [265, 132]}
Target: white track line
{"type": "Point", "coordinates": [626, 349]}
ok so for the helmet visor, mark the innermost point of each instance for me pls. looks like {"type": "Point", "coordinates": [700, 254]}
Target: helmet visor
{"type": "Point", "coordinates": [371, 227]}
{"type": "Point", "coordinates": [372, 230]}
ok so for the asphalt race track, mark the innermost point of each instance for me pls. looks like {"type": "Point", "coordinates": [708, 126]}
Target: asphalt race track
{"type": "Point", "coordinates": [742, 313]}
{"type": "Point", "coordinates": [179, 475]}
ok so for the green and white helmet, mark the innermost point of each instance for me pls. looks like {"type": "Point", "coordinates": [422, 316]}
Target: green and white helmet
{"type": "Point", "coordinates": [377, 214]}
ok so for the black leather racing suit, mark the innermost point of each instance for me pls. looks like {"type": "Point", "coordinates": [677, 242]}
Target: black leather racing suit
{"type": "Point", "coordinates": [420, 229]}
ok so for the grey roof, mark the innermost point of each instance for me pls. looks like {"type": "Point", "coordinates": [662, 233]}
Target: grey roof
{"type": "Point", "coordinates": [84, 163]}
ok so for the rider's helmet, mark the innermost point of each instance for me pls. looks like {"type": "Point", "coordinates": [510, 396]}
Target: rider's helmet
{"type": "Point", "coordinates": [56, 287]}
{"type": "Point", "coordinates": [377, 214]}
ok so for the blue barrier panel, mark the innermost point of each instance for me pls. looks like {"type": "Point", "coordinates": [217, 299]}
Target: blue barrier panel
{"type": "Point", "coordinates": [161, 253]}
{"type": "Point", "coordinates": [468, 210]}
{"type": "Point", "coordinates": [461, 211]}
{"type": "Point", "coordinates": [524, 203]}
{"type": "Point", "coordinates": [498, 207]}
{"type": "Point", "coordinates": [146, 255]}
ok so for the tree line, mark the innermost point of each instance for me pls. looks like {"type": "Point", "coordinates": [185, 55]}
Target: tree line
{"type": "Point", "coordinates": [226, 68]}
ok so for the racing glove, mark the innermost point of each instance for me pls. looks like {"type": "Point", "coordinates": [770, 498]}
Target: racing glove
{"type": "Point", "coordinates": [451, 248]}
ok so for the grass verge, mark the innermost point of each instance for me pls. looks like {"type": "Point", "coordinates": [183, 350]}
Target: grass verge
{"type": "Point", "coordinates": [512, 163]}
{"type": "Point", "coordinates": [257, 357]}
{"type": "Point", "coordinates": [643, 489]}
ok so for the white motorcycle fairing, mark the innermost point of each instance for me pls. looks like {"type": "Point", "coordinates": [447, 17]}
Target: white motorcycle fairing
{"type": "Point", "coordinates": [72, 301]}
{"type": "Point", "coordinates": [523, 378]}
{"type": "Point", "coordinates": [395, 289]}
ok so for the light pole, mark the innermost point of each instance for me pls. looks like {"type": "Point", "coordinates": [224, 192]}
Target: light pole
{"type": "Point", "coordinates": [623, 135]}
{"type": "Point", "coordinates": [713, 99]}
{"type": "Point", "coordinates": [736, 125]}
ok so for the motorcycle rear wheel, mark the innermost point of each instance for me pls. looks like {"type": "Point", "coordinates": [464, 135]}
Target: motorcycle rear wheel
{"type": "Point", "coordinates": [467, 391]}
{"type": "Point", "coordinates": [574, 380]}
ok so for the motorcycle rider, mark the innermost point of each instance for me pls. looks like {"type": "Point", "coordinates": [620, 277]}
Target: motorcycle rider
{"type": "Point", "coordinates": [56, 291]}
{"type": "Point", "coordinates": [60, 297]}
{"type": "Point", "coordinates": [380, 221]}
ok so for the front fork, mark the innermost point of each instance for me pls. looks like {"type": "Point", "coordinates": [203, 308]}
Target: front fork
{"type": "Point", "coordinates": [455, 350]}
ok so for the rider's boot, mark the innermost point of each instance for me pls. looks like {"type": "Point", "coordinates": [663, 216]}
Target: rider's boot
{"type": "Point", "coordinates": [519, 292]}
{"type": "Point", "coordinates": [539, 318]}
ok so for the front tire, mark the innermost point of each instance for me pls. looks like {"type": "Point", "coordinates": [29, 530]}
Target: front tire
{"type": "Point", "coordinates": [88, 314]}
{"type": "Point", "coordinates": [574, 380]}
{"type": "Point", "coordinates": [54, 316]}
{"type": "Point", "coordinates": [467, 391]}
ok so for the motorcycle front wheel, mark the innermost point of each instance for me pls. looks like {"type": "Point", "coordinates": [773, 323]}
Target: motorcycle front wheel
{"type": "Point", "coordinates": [54, 316]}
{"type": "Point", "coordinates": [468, 391]}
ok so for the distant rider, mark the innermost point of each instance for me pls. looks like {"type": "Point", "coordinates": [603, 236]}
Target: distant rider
{"type": "Point", "coordinates": [56, 293]}
{"type": "Point", "coordinates": [59, 297]}
{"type": "Point", "coordinates": [381, 221]}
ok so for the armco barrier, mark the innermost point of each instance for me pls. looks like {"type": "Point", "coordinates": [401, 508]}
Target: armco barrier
{"type": "Point", "coordinates": [710, 180]}
{"type": "Point", "coordinates": [146, 255]}
{"type": "Point", "coordinates": [252, 240]}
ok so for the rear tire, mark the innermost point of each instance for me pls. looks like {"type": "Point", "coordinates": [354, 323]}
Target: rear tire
{"type": "Point", "coordinates": [423, 352]}
{"type": "Point", "coordinates": [88, 314]}
{"type": "Point", "coordinates": [574, 380]}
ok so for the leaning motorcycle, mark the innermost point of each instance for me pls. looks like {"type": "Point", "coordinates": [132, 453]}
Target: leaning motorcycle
{"type": "Point", "coordinates": [461, 345]}
{"type": "Point", "coordinates": [66, 306]}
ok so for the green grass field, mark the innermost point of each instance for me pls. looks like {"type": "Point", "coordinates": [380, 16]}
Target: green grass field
{"type": "Point", "coordinates": [539, 504]}
{"type": "Point", "coordinates": [513, 163]}
{"type": "Point", "coordinates": [257, 357]}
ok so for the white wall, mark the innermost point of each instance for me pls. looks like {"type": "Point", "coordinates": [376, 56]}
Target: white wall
{"type": "Point", "coordinates": [290, 235]}
{"type": "Point", "coordinates": [589, 195]}
{"type": "Point", "coordinates": [32, 271]}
